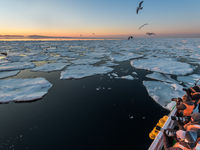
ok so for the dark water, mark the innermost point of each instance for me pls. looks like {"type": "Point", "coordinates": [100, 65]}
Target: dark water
{"type": "Point", "coordinates": [76, 116]}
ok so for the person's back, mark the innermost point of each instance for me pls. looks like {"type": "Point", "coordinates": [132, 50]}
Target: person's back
{"type": "Point", "coordinates": [185, 107]}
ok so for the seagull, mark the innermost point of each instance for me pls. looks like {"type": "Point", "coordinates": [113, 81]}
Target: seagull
{"type": "Point", "coordinates": [130, 37]}
{"type": "Point", "coordinates": [4, 53]}
{"type": "Point", "coordinates": [139, 7]}
{"type": "Point", "coordinates": [150, 33]}
{"type": "Point", "coordinates": [142, 26]}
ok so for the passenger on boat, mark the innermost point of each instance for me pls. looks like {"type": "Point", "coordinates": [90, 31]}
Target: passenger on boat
{"type": "Point", "coordinates": [194, 123]}
{"type": "Point", "coordinates": [185, 107]}
{"type": "Point", "coordinates": [194, 94]}
{"type": "Point", "coordinates": [185, 140]}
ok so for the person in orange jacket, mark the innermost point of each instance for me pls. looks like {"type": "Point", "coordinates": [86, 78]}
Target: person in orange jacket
{"type": "Point", "coordinates": [194, 123]}
{"type": "Point", "coordinates": [194, 94]}
{"type": "Point", "coordinates": [185, 106]}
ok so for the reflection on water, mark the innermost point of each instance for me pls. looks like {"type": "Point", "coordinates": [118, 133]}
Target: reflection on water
{"type": "Point", "coordinates": [75, 115]}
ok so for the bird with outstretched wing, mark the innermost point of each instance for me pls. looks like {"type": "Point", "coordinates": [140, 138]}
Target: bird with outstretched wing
{"type": "Point", "coordinates": [142, 26]}
{"type": "Point", "coordinates": [139, 7]}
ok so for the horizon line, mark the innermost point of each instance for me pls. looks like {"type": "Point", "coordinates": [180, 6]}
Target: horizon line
{"type": "Point", "coordinates": [117, 36]}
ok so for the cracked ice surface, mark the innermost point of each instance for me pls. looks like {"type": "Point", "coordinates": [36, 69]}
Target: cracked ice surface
{"type": "Point", "coordinates": [163, 92]}
{"type": "Point", "coordinates": [81, 71]}
{"type": "Point", "coordinates": [85, 61]}
{"type": "Point", "coordinates": [6, 74]}
{"type": "Point", "coordinates": [16, 66]}
{"type": "Point", "coordinates": [50, 67]}
{"type": "Point", "coordinates": [19, 90]}
{"type": "Point", "coordinates": [189, 80]}
{"type": "Point", "coordinates": [161, 77]}
{"type": "Point", "coordinates": [163, 65]}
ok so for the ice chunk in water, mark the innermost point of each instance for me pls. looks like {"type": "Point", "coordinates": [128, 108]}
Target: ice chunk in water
{"type": "Point", "coordinates": [16, 66]}
{"type": "Point", "coordinates": [19, 90]}
{"type": "Point", "coordinates": [80, 71]}
{"type": "Point", "coordinates": [128, 77]}
{"type": "Point", "coordinates": [161, 77]}
{"type": "Point", "coordinates": [189, 80]}
{"type": "Point", "coordinates": [134, 73]}
{"type": "Point", "coordinates": [8, 74]}
{"type": "Point", "coordinates": [50, 67]}
{"type": "Point", "coordinates": [163, 92]}
{"type": "Point", "coordinates": [163, 65]}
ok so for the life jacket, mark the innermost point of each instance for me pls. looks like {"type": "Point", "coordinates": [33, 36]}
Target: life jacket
{"type": "Point", "coordinates": [192, 126]}
{"type": "Point", "coordinates": [178, 145]}
{"type": "Point", "coordinates": [188, 110]}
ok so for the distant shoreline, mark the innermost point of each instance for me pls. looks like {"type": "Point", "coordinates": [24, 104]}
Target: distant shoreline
{"type": "Point", "coordinates": [58, 39]}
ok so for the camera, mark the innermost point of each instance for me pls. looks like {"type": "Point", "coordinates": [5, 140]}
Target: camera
{"type": "Point", "coordinates": [168, 132]}
{"type": "Point", "coordinates": [181, 119]}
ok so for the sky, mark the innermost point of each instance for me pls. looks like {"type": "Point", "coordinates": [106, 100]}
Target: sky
{"type": "Point", "coordinates": [90, 18]}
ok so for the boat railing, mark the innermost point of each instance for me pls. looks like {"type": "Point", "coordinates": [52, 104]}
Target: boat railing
{"type": "Point", "coordinates": [157, 144]}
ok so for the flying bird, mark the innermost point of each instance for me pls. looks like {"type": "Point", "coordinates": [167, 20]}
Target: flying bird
{"type": "Point", "coordinates": [143, 26]}
{"type": "Point", "coordinates": [139, 7]}
{"type": "Point", "coordinates": [130, 37]}
{"type": "Point", "coordinates": [4, 53]}
{"type": "Point", "coordinates": [150, 33]}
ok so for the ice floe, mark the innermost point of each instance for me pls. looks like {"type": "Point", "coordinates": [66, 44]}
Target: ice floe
{"type": "Point", "coordinates": [6, 74]}
{"type": "Point", "coordinates": [81, 71]}
{"type": "Point", "coordinates": [134, 73]}
{"type": "Point", "coordinates": [50, 67]}
{"type": "Point", "coordinates": [128, 77]}
{"type": "Point", "coordinates": [163, 65]}
{"type": "Point", "coordinates": [163, 92]}
{"type": "Point", "coordinates": [20, 90]}
{"type": "Point", "coordinates": [16, 66]}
